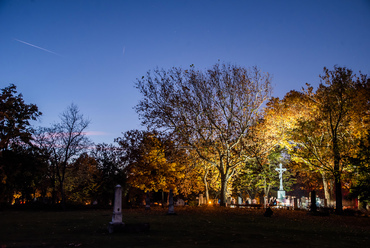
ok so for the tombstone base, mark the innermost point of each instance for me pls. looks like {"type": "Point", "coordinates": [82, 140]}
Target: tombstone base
{"type": "Point", "coordinates": [281, 195]}
{"type": "Point", "coordinates": [115, 226]}
{"type": "Point", "coordinates": [121, 227]}
{"type": "Point", "coordinates": [171, 210]}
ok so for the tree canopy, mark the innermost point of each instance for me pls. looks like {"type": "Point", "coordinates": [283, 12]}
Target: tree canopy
{"type": "Point", "coordinates": [15, 116]}
{"type": "Point", "coordinates": [210, 111]}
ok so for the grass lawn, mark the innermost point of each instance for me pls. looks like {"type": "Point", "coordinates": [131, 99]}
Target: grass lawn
{"type": "Point", "coordinates": [191, 227]}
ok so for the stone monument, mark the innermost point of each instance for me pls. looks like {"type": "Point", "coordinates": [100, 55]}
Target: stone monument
{"type": "Point", "coordinates": [201, 200]}
{"type": "Point", "coordinates": [117, 210]}
{"type": "Point", "coordinates": [281, 191]}
{"type": "Point", "coordinates": [147, 201]}
{"type": "Point", "coordinates": [171, 208]}
{"type": "Point", "coordinates": [240, 201]}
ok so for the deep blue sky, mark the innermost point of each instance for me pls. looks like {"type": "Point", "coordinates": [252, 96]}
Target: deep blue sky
{"type": "Point", "coordinates": [94, 50]}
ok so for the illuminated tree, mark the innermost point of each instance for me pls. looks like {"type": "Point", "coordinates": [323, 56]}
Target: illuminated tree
{"type": "Point", "coordinates": [324, 137]}
{"type": "Point", "coordinates": [360, 171]}
{"type": "Point", "coordinates": [83, 179]}
{"type": "Point", "coordinates": [210, 112]}
{"type": "Point", "coordinates": [259, 176]}
{"type": "Point", "coordinates": [152, 163]}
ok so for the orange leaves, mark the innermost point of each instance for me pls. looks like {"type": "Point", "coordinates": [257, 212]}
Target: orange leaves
{"type": "Point", "coordinates": [154, 167]}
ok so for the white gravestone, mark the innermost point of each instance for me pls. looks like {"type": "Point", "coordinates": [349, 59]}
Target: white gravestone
{"type": "Point", "coordinates": [240, 200]}
{"type": "Point", "coordinates": [117, 210]}
{"type": "Point", "coordinates": [201, 200]}
{"type": "Point", "coordinates": [281, 192]}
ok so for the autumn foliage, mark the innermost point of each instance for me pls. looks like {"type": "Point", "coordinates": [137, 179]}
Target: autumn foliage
{"type": "Point", "coordinates": [217, 132]}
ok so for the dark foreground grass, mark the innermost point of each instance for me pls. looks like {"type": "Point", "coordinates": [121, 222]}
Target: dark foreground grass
{"type": "Point", "coordinates": [191, 227]}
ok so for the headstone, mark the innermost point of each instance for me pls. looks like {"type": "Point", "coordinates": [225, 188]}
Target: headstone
{"type": "Point", "coordinates": [319, 202]}
{"type": "Point", "coordinates": [171, 208]}
{"type": "Point", "coordinates": [233, 202]}
{"type": "Point", "coordinates": [240, 200]}
{"type": "Point", "coordinates": [288, 202]}
{"type": "Point", "coordinates": [303, 202]}
{"type": "Point", "coordinates": [117, 210]}
{"type": "Point", "coordinates": [147, 201]}
{"type": "Point", "coordinates": [200, 199]}
{"type": "Point", "coordinates": [180, 202]}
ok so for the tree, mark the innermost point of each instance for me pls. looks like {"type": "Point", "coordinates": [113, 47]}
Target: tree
{"type": "Point", "coordinates": [83, 180]}
{"type": "Point", "coordinates": [324, 138]}
{"type": "Point", "coordinates": [23, 168]}
{"type": "Point", "coordinates": [15, 115]}
{"type": "Point", "coordinates": [259, 176]}
{"type": "Point", "coordinates": [360, 171]}
{"type": "Point", "coordinates": [66, 140]}
{"type": "Point", "coordinates": [210, 112]}
{"type": "Point", "coordinates": [15, 145]}
{"type": "Point", "coordinates": [112, 170]}
{"type": "Point", "coordinates": [284, 118]}
{"type": "Point", "coordinates": [264, 152]}
{"type": "Point", "coordinates": [150, 164]}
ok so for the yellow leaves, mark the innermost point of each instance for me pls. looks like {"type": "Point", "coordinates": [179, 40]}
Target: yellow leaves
{"type": "Point", "coordinates": [153, 170]}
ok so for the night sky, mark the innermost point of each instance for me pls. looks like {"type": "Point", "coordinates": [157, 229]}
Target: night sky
{"type": "Point", "coordinates": [91, 52]}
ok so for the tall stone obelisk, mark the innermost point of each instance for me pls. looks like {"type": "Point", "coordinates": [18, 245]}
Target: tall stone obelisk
{"type": "Point", "coordinates": [117, 210]}
{"type": "Point", "coordinates": [171, 209]}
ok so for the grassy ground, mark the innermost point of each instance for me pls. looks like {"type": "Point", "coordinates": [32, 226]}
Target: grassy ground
{"type": "Point", "coordinates": [191, 227]}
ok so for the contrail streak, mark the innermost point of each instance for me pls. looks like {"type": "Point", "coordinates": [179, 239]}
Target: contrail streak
{"type": "Point", "coordinates": [46, 50]}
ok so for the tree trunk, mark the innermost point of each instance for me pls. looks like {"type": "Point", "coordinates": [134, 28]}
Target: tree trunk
{"type": "Point", "coordinates": [223, 190]}
{"type": "Point", "coordinates": [338, 193]}
{"type": "Point", "coordinates": [53, 193]}
{"type": "Point", "coordinates": [326, 188]}
{"type": "Point", "coordinates": [266, 189]}
{"type": "Point", "coordinates": [206, 185]}
{"type": "Point", "coordinates": [162, 199]}
{"type": "Point", "coordinates": [337, 178]}
{"type": "Point", "coordinates": [63, 202]}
